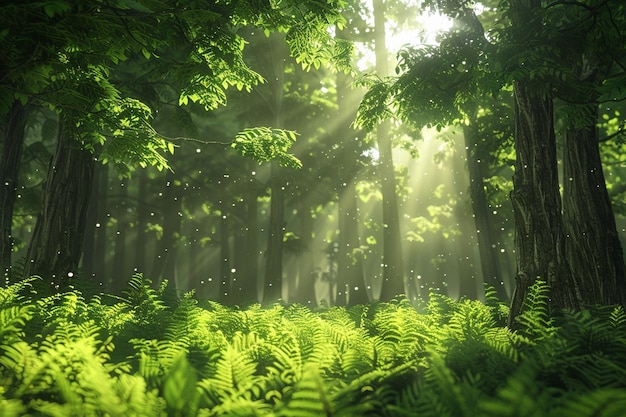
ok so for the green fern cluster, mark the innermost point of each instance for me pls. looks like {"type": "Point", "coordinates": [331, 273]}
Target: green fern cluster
{"type": "Point", "coordinates": [151, 354]}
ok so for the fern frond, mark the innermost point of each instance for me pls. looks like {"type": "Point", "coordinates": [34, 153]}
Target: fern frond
{"type": "Point", "coordinates": [234, 373]}
{"type": "Point", "coordinates": [404, 328]}
{"type": "Point", "coordinates": [179, 388]}
{"type": "Point", "coordinates": [309, 398]}
{"type": "Point", "coordinates": [15, 293]}
{"type": "Point", "coordinates": [440, 307]}
{"type": "Point", "coordinates": [114, 318]}
{"type": "Point", "coordinates": [12, 321]}
{"type": "Point", "coordinates": [617, 318]}
{"type": "Point", "coordinates": [500, 311]}
{"type": "Point", "coordinates": [534, 320]}
{"type": "Point", "coordinates": [11, 407]}
{"type": "Point", "coordinates": [521, 396]}
{"type": "Point", "coordinates": [154, 357]}
{"type": "Point", "coordinates": [603, 402]}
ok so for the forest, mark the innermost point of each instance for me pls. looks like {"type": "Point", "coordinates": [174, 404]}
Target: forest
{"type": "Point", "coordinates": [312, 208]}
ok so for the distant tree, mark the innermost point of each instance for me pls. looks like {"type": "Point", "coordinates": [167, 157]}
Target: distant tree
{"type": "Point", "coordinates": [447, 84]}
{"type": "Point", "coordinates": [393, 265]}
{"type": "Point", "coordinates": [70, 72]}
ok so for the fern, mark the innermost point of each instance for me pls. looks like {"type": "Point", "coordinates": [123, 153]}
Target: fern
{"type": "Point", "coordinates": [440, 307]}
{"type": "Point", "coordinates": [15, 293]}
{"type": "Point", "coordinates": [499, 310]}
{"type": "Point", "coordinates": [534, 320]}
{"type": "Point", "coordinates": [309, 398]}
{"type": "Point", "coordinates": [521, 396]}
{"type": "Point", "coordinates": [179, 388]}
{"type": "Point", "coordinates": [604, 403]}
{"type": "Point", "coordinates": [154, 357]}
{"type": "Point", "coordinates": [11, 407]}
{"type": "Point", "coordinates": [12, 321]}
{"type": "Point", "coordinates": [617, 319]}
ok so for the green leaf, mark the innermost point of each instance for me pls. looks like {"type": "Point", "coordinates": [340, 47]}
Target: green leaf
{"type": "Point", "coordinates": [179, 388]}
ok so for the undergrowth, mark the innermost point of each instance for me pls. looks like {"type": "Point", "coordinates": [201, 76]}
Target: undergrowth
{"type": "Point", "coordinates": [149, 354]}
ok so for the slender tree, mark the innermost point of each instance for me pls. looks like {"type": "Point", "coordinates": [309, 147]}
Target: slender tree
{"type": "Point", "coordinates": [393, 269]}
{"type": "Point", "coordinates": [12, 146]}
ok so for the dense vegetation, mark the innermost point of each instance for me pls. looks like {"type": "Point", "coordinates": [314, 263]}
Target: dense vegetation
{"type": "Point", "coordinates": [150, 353]}
{"type": "Point", "coordinates": [212, 145]}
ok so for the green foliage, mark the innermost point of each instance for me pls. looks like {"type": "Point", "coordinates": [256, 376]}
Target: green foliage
{"type": "Point", "coordinates": [265, 144]}
{"type": "Point", "coordinates": [150, 354]}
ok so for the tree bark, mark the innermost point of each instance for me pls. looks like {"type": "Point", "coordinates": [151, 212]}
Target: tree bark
{"type": "Point", "coordinates": [593, 247]}
{"type": "Point", "coordinates": [57, 242]}
{"type": "Point", "coordinates": [539, 236]}
{"type": "Point", "coordinates": [489, 262]}
{"type": "Point", "coordinates": [393, 269]}
{"type": "Point", "coordinates": [13, 144]}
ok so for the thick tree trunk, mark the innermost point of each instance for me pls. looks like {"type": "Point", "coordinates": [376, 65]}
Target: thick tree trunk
{"type": "Point", "coordinates": [393, 269]}
{"type": "Point", "coordinates": [489, 262]}
{"type": "Point", "coordinates": [13, 143]}
{"type": "Point", "coordinates": [593, 247]}
{"type": "Point", "coordinates": [539, 236]}
{"type": "Point", "coordinates": [57, 242]}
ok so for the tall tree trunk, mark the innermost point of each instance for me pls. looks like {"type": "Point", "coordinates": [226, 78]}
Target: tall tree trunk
{"type": "Point", "coordinates": [143, 216]}
{"type": "Point", "coordinates": [95, 249]}
{"type": "Point", "coordinates": [305, 293]}
{"type": "Point", "coordinates": [489, 262]}
{"type": "Point", "coordinates": [165, 264]}
{"type": "Point", "coordinates": [57, 242]}
{"type": "Point", "coordinates": [349, 262]}
{"type": "Point", "coordinates": [225, 257]}
{"type": "Point", "coordinates": [250, 267]}
{"type": "Point", "coordinates": [350, 275]}
{"type": "Point", "coordinates": [539, 236]}
{"type": "Point", "coordinates": [238, 290]}
{"type": "Point", "coordinates": [593, 247]}
{"type": "Point", "coordinates": [93, 224]}
{"type": "Point", "coordinates": [120, 275]}
{"type": "Point", "coordinates": [393, 269]}
{"type": "Point", "coordinates": [13, 143]}
{"type": "Point", "coordinates": [274, 263]}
